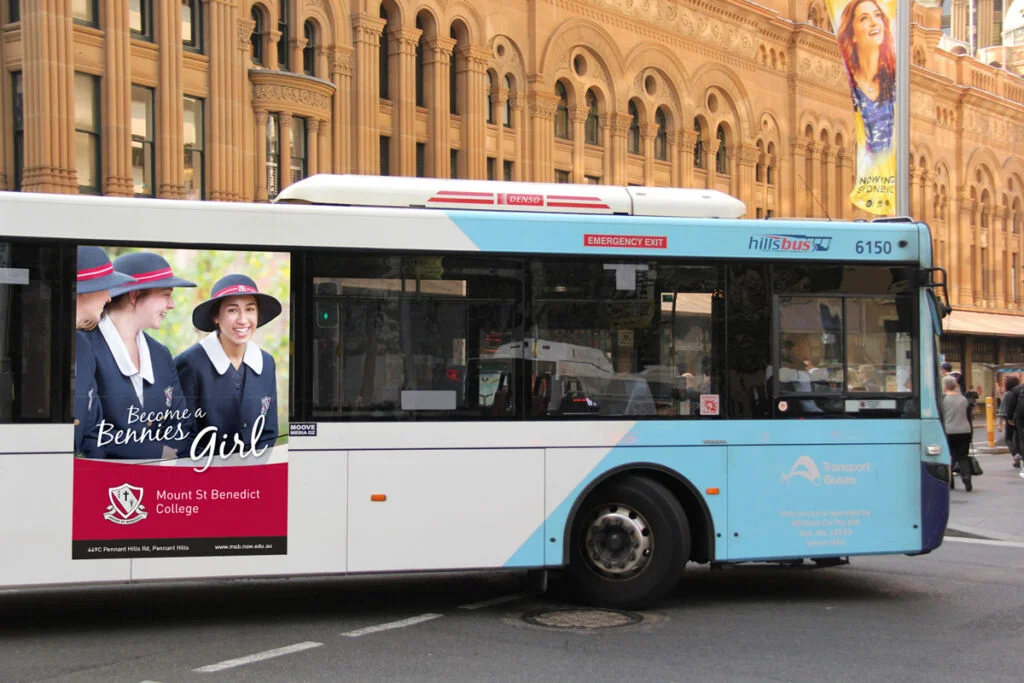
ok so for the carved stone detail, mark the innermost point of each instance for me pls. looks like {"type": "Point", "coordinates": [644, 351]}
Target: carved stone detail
{"type": "Point", "coordinates": [245, 29]}
{"type": "Point", "coordinates": [286, 93]}
{"type": "Point", "coordinates": [542, 104]}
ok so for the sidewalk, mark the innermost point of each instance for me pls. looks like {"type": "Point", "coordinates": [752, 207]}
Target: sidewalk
{"type": "Point", "coordinates": [995, 508]}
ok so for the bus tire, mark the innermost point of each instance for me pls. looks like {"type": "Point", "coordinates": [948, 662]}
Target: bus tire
{"type": "Point", "coordinates": [630, 542]}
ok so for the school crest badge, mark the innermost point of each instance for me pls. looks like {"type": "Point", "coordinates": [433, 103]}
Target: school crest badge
{"type": "Point", "coordinates": [169, 395]}
{"type": "Point", "coordinates": [265, 405]}
{"type": "Point", "coordinates": [125, 505]}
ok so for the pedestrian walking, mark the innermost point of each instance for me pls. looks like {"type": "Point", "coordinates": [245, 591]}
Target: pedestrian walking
{"type": "Point", "coordinates": [955, 410]}
{"type": "Point", "coordinates": [1007, 407]}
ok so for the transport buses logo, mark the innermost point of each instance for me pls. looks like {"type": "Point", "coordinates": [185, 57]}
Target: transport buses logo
{"type": "Point", "coordinates": [804, 467]}
{"type": "Point", "coordinates": [836, 474]}
{"type": "Point", "coordinates": [125, 505]}
{"type": "Point", "coordinates": [790, 243]}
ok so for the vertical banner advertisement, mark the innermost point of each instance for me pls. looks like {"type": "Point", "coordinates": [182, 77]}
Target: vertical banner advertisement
{"type": "Point", "coordinates": [181, 391]}
{"type": "Point", "coordinates": [865, 31]}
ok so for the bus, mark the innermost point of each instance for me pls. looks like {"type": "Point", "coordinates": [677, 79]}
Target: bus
{"type": "Point", "coordinates": [610, 383]}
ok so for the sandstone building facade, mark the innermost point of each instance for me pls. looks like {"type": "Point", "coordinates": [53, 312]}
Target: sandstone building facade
{"type": "Point", "coordinates": [234, 99]}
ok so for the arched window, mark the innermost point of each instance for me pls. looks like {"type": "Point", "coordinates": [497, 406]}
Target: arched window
{"type": "Point", "coordinates": [309, 52]}
{"type": "Point", "coordinates": [421, 97]}
{"type": "Point", "coordinates": [562, 112]}
{"type": "Point", "coordinates": [721, 161]}
{"type": "Point", "coordinates": [661, 137]}
{"type": "Point", "coordinates": [510, 86]}
{"type": "Point", "coordinates": [490, 98]}
{"type": "Point", "coordinates": [256, 38]}
{"type": "Point", "coordinates": [985, 209]}
{"type": "Point", "coordinates": [453, 76]}
{"type": "Point", "coordinates": [382, 58]}
{"type": "Point", "coordinates": [770, 170]}
{"type": "Point", "coordinates": [282, 42]}
{"type": "Point", "coordinates": [698, 146]}
{"type": "Point", "coordinates": [592, 129]}
{"type": "Point", "coordinates": [633, 141]}
{"type": "Point", "coordinates": [759, 166]}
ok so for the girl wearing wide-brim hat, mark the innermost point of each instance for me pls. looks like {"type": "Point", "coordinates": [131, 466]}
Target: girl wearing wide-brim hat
{"type": "Point", "coordinates": [229, 381]}
{"type": "Point", "coordinates": [145, 416]}
{"type": "Point", "coordinates": [96, 275]}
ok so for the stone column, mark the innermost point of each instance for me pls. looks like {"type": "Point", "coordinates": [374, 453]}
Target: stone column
{"type": "Point", "coordinates": [672, 142]}
{"type": "Point", "coordinates": [828, 184]}
{"type": "Point", "coordinates": [403, 46]}
{"type": "Point", "coordinates": [284, 163]}
{"type": "Point", "coordinates": [224, 117]}
{"type": "Point", "coordinates": [48, 82]}
{"type": "Point", "coordinates": [844, 162]}
{"type": "Point", "coordinates": [687, 143]}
{"type": "Point", "coordinates": [711, 154]}
{"type": "Point", "coordinates": [260, 194]}
{"type": "Point", "coordinates": [647, 132]}
{"type": "Point", "coordinates": [814, 152]}
{"type": "Point", "coordinates": [578, 120]}
{"type": "Point", "coordinates": [499, 96]}
{"type": "Point", "coordinates": [324, 150]}
{"type": "Point", "coordinates": [435, 63]}
{"type": "Point", "coordinates": [366, 105]}
{"type": "Point", "coordinates": [746, 163]}
{"type": "Point", "coordinates": [518, 104]}
{"type": "Point", "coordinates": [170, 107]}
{"type": "Point", "coordinates": [340, 65]}
{"type": "Point", "coordinates": [618, 131]}
{"type": "Point", "coordinates": [963, 282]}
{"type": "Point", "coordinates": [916, 209]}
{"type": "Point", "coordinates": [998, 256]}
{"type": "Point", "coordinates": [312, 146]}
{"type": "Point", "coordinates": [928, 211]}
{"type": "Point", "coordinates": [799, 180]}
{"type": "Point", "coordinates": [542, 106]}
{"type": "Point", "coordinates": [474, 120]}
{"type": "Point", "coordinates": [245, 157]}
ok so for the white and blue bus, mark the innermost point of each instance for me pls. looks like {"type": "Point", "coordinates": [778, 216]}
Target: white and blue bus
{"type": "Point", "coordinates": [611, 382]}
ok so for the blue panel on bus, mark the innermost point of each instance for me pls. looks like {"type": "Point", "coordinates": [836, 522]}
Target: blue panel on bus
{"type": "Point", "coordinates": [806, 501]}
{"type": "Point", "coordinates": [758, 478]}
{"type": "Point", "coordinates": [656, 236]}
{"type": "Point", "coordinates": [702, 466]}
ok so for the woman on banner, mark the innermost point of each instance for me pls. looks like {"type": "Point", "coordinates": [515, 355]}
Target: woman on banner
{"type": "Point", "coordinates": [866, 43]}
{"type": "Point", "coordinates": [145, 416]}
{"type": "Point", "coordinates": [96, 275]}
{"type": "Point", "coordinates": [229, 381]}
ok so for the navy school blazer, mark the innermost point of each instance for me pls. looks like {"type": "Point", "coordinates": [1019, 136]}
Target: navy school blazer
{"type": "Point", "coordinates": [142, 439]}
{"type": "Point", "coordinates": [88, 412]}
{"type": "Point", "coordinates": [228, 403]}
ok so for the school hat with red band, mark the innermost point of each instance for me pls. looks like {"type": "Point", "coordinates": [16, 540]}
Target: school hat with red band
{"type": "Point", "coordinates": [234, 285]}
{"type": "Point", "coordinates": [96, 272]}
{"type": "Point", "coordinates": [148, 271]}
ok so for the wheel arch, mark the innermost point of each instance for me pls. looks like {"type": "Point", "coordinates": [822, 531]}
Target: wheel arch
{"type": "Point", "coordinates": [702, 526]}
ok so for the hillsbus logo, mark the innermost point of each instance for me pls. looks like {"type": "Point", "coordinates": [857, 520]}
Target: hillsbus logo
{"type": "Point", "coordinates": [125, 505]}
{"type": "Point", "coordinates": [790, 243]}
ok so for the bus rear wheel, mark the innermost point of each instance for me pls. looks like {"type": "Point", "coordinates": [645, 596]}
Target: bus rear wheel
{"type": "Point", "coordinates": [630, 543]}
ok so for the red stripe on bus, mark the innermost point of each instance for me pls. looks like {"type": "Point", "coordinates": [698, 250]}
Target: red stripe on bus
{"type": "Point", "coordinates": [460, 200]}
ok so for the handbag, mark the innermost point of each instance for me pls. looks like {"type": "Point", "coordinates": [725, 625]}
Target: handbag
{"type": "Point", "coordinates": [976, 467]}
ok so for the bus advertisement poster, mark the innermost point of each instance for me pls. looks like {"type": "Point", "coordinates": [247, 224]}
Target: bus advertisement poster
{"type": "Point", "coordinates": [866, 34]}
{"type": "Point", "coordinates": [181, 403]}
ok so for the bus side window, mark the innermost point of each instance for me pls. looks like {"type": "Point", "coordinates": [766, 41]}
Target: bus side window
{"type": "Point", "coordinates": [541, 395]}
{"type": "Point", "coordinates": [502, 405]}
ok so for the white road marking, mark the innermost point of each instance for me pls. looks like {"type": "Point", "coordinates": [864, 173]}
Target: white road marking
{"type": "Point", "coordinates": [411, 621]}
{"type": "Point", "coordinates": [258, 657]}
{"type": "Point", "coordinates": [501, 599]}
{"type": "Point", "coordinates": [985, 541]}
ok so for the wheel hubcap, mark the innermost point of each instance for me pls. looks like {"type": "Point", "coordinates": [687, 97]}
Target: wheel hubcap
{"type": "Point", "coordinates": [618, 543]}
